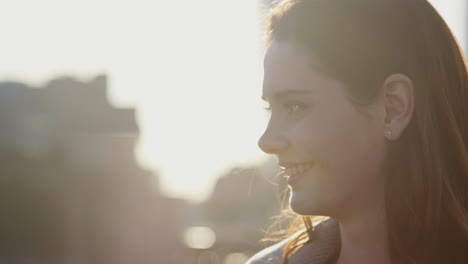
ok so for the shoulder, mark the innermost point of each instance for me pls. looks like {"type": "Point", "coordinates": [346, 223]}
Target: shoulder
{"type": "Point", "coordinates": [325, 245]}
{"type": "Point", "coordinates": [270, 255]}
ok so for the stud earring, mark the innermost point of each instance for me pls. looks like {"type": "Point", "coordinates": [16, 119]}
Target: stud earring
{"type": "Point", "coordinates": [389, 132]}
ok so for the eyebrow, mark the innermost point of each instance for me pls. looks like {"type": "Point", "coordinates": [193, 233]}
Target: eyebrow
{"type": "Point", "coordinates": [279, 95]}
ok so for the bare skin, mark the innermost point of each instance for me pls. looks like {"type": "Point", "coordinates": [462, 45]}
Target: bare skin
{"type": "Point", "coordinates": [334, 150]}
{"type": "Point", "coordinates": [364, 238]}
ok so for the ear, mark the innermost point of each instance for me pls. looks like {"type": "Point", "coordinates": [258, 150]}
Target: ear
{"type": "Point", "coordinates": [398, 99]}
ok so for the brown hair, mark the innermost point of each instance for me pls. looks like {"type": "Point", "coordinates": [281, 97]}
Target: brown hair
{"type": "Point", "coordinates": [361, 42]}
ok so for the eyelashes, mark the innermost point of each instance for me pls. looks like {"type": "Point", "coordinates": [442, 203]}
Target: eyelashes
{"type": "Point", "coordinates": [292, 108]}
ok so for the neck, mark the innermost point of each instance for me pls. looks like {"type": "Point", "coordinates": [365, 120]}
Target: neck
{"type": "Point", "coordinates": [364, 237]}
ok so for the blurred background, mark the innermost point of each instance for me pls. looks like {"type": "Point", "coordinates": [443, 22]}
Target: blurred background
{"type": "Point", "coordinates": [129, 130]}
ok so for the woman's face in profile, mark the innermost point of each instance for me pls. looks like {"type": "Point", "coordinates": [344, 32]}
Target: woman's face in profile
{"type": "Point", "coordinates": [331, 150]}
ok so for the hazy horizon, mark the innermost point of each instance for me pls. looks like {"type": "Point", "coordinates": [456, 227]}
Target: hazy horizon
{"type": "Point", "coordinates": [192, 69]}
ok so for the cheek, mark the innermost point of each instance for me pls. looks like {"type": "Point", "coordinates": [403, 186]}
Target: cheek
{"type": "Point", "coordinates": [345, 145]}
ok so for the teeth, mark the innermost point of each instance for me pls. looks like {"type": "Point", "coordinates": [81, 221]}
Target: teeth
{"type": "Point", "coordinates": [297, 169]}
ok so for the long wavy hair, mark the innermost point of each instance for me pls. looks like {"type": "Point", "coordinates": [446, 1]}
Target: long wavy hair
{"type": "Point", "coordinates": [361, 42]}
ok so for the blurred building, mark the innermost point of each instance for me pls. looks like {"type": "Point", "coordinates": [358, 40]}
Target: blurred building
{"type": "Point", "coordinates": [71, 190]}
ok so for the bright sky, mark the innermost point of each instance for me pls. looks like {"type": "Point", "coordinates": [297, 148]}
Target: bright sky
{"type": "Point", "coordinates": [191, 68]}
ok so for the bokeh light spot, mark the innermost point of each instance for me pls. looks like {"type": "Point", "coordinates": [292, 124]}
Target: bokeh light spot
{"type": "Point", "coordinates": [199, 237]}
{"type": "Point", "coordinates": [235, 258]}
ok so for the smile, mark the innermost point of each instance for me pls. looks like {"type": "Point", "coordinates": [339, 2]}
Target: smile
{"type": "Point", "coordinates": [297, 169]}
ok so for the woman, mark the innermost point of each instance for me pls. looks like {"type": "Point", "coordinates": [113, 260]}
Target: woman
{"type": "Point", "coordinates": [369, 123]}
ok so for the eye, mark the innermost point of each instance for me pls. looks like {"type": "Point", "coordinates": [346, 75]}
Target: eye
{"type": "Point", "coordinates": [292, 109]}
{"type": "Point", "coordinates": [295, 107]}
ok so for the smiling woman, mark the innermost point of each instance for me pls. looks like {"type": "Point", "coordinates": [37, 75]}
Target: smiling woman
{"type": "Point", "coordinates": [369, 124]}
{"type": "Point", "coordinates": [319, 137]}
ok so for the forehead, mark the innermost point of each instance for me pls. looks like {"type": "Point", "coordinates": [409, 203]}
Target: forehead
{"type": "Point", "coordinates": [284, 57]}
{"type": "Point", "coordinates": [286, 68]}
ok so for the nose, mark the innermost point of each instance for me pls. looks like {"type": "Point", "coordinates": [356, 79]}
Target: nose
{"type": "Point", "coordinates": [272, 141]}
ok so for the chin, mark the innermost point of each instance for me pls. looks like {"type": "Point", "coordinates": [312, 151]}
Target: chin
{"type": "Point", "coordinates": [303, 205]}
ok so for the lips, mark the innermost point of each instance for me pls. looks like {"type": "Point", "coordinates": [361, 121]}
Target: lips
{"type": "Point", "coordinates": [295, 171]}
{"type": "Point", "coordinates": [298, 168]}
{"type": "Point", "coordinates": [294, 168]}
